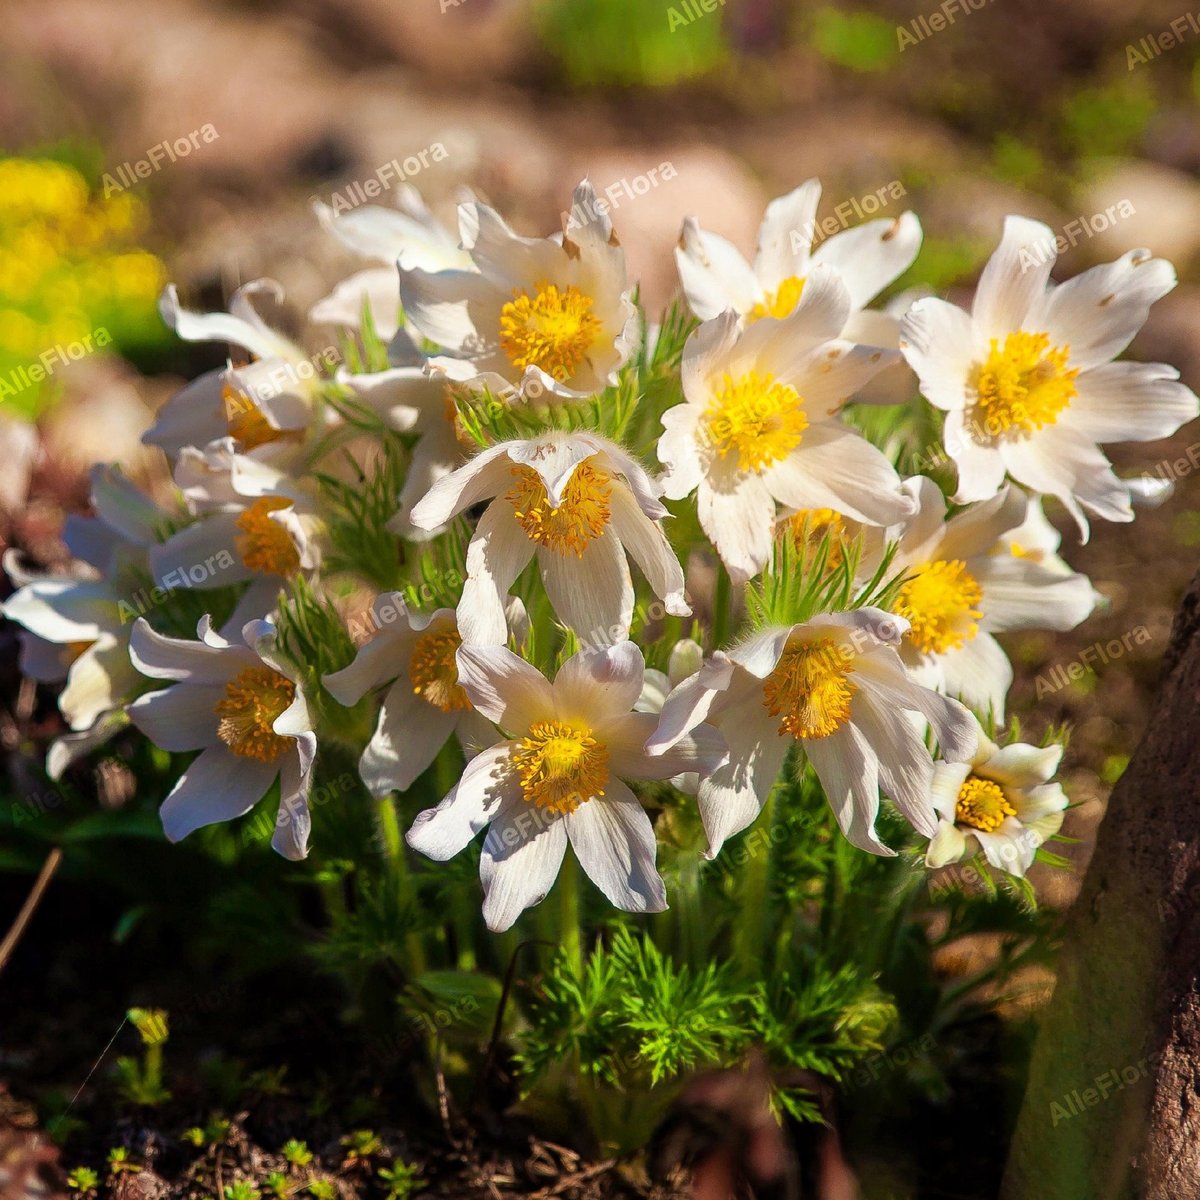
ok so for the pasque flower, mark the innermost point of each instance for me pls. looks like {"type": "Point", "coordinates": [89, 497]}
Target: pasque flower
{"type": "Point", "coordinates": [969, 578]}
{"type": "Point", "coordinates": [1027, 379]}
{"type": "Point", "coordinates": [539, 316]}
{"type": "Point", "coordinates": [836, 687]}
{"type": "Point", "coordinates": [413, 655]}
{"type": "Point", "coordinates": [1001, 802]}
{"type": "Point", "coordinates": [760, 426]}
{"type": "Point", "coordinates": [556, 774]}
{"type": "Point", "coordinates": [240, 704]}
{"type": "Point", "coordinates": [868, 257]}
{"type": "Point", "coordinates": [578, 503]}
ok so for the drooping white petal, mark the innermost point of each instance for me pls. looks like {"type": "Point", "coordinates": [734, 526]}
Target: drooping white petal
{"type": "Point", "coordinates": [592, 594]}
{"type": "Point", "coordinates": [217, 786]}
{"type": "Point", "coordinates": [497, 553]}
{"type": "Point", "coordinates": [648, 547]}
{"type": "Point", "coordinates": [1021, 594]}
{"type": "Point", "coordinates": [848, 769]}
{"type": "Point", "coordinates": [738, 515]}
{"type": "Point", "coordinates": [408, 734]}
{"type": "Point", "coordinates": [614, 841]}
{"type": "Point", "coordinates": [293, 821]}
{"type": "Point", "coordinates": [440, 833]}
{"type": "Point", "coordinates": [521, 857]}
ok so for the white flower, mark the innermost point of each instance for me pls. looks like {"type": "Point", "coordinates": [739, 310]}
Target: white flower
{"type": "Point", "coordinates": [836, 686]}
{"type": "Point", "coordinates": [255, 522]}
{"type": "Point", "coordinates": [868, 257]}
{"type": "Point", "coordinates": [414, 654]}
{"type": "Point", "coordinates": [1001, 802]}
{"type": "Point", "coordinates": [265, 405]}
{"type": "Point", "coordinates": [558, 778]}
{"type": "Point", "coordinates": [408, 235]}
{"type": "Point", "coordinates": [541, 315]}
{"type": "Point", "coordinates": [687, 657]}
{"type": "Point", "coordinates": [76, 625]}
{"type": "Point", "coordinates": [1026, 379]}
{"type": "Point", "coordinates": [578, 503]}
{"type": "Point", "coordinates": [759, 426]}
{"type": "Point", "coordinates": [968, 582]}
{"type": "Point", "coordinates": [241, 706]}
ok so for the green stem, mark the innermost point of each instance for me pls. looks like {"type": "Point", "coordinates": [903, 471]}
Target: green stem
{"type": "Point", "coordinates": [722, 606]}
{"type": "Point", "coordinates": [750, 932]}
{"type": "Point", "coordinates": [568, 911]}
{"type": "Point", "coordinates": [393, 848]}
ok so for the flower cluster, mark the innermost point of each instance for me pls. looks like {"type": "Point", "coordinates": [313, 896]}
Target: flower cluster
{"type": "Point", "coordinates": [555, 515]}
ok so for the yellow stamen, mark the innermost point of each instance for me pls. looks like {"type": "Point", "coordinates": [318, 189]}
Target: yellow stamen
{"type": "Point", "coordinates": [757, 418]}
{"type": "Point", "coordinates": [254, 698]}
{"type": "Point", "coordinates": [781, 302]}
{"type": "Point", "coordinates": [560, 766]}
{"type": "Point", "coordinates": [245, 420]}
{"type": "Point", "coordinates": [811, 687]}
{"type": "Point", "coordinates": [1021, 386]}
{"type": "Point", "coordinates": [940, 603]}
{"type": "Point", "coordinates": [982, 804]}
{"type": "Point", "coordinates": [264, 545]}
{"type": "Point", "coordinates": [434, 671]}
{"type": "Point", "coordinates": [578, 520]}
{"type": "Point", "coordinates": [551, 329]}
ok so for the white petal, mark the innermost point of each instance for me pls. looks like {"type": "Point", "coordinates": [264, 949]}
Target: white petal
{"type": "Point", "coordinates": [197, 662]}
{"type": "Point", "coordinates": [849, 772]}
{"type": "Point", "coordinates": [253, 335]}
{"type": "Point", "coordinates": [202, 555]}
{"type": "Point", "coordinates": [614, 841]}
{"type": "Point", "coordinates": [521, 857]}
{"type": "Point", "coordinates": [1130, 402]}
{"type": "Point", "coordinates": [217, 786]}
{"type": "Point", "coordinates": [408, 735]}
{"type": "Point", "coordinates": [596, 685]}
{"type": "Point", "coordinates": [786, 235]}
{"type": "Point", "coordinates": [647, 545]}
{"type": "Point", "coordinates": [738, 515]}
{"type": "Point", "coordinates": [376, 288]}
{"type": "Point", "coordinates": [700, 750]}
{"type": "Point", "coordinates": [688, 705]}
{"type": "Point", "coordinates": [440, 833]}
{"type": "Point", "coordinates": [437, 304]}
{"type": "Point", "coordinates": [980, 464]}
{"type": "Point", "coordinates": [872, 255]}
{"type": "Point", "coordinates": [1022, 765]}
{"type": "Point", "coordinates": [678, 451]}
{"type": "Point", "coordinates": [506, 689]}
{"type": "Point", "coordinates": [1098, 312]}
{"type": "Point", "coordinates": [714, 273]}
{"type": "Point", "coordinates": [488, 473]}
{"type": "Point", "coordinates": [1013, 280]}
{"type": "Point", "coordinates": [63, 610]}
{"type": "Point", "coordinates": [948, 845]}
{"type": "Point", "coordinates": [179, 718]}
{"type": "Point", "coordinates": [293, 822]}
{"type": "Point", "coordinates": [979, 674]}
{"type": "Point", "coordinates": [1021, 594]}
{"type": "Point", "coordinates": [592, 594]}
{"type": "Point", "coordinates": [938, 340]}
{"type": "Point", "coordinates": [497, 553]}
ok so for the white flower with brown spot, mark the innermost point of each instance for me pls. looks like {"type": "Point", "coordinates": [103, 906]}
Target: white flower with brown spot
{"type": "Point", "coordinates": [1027, 379]}
{"type": "Point", "coordinates": [836, 687]}
{"type": "Point", "coordinates": [760, 428]}
{"type": "Point", "coordinates": [1002, 801]}
{"type": "Point", "coordinates": [868, 257]}
{"type": "Point", "coordinates": [239, 703]}
{"type": "Point", "coordinates": [412, 655]}
{"type": "Point", "coordinates": [535, 316]}
{"type": "Point", "coordinates": [556, 776]}
{"type": "Point", "coordinates": [577, 503]}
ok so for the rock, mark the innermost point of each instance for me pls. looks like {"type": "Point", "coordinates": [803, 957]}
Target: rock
{"type": "Point", "coordinates": [1154, 206]}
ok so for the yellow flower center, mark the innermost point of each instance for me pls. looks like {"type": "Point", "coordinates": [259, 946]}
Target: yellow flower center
{"type": "Point", "coordinates": [254, 698]}
{"type": "Point", "coordinates": [434, 672]}
{"type": "Point", "coordinates": [982, 804]}
{"type": "Point", "coordinates": [560, 766]}
{"type": "Point", "coordinates": [245, 420]}
{"type": "Point", "coordinates": [940, 603]}
{"type": "Point", "coordinates": [264, 545]}
{"type": "Point", "coordinates": [757, 418]}
{"type": "Point", "coordinates": [1021, 386]}
{"type": "Point", "coordinates": [553, 329]}
{"type": "Point", "coordinates": [811, 688]}
{"type": "Point", "coordinates": [781, 302]}
{"type": "Point", "coordinates": [809, 527]}
{"type": "Point", "coordinates": [578, 520]}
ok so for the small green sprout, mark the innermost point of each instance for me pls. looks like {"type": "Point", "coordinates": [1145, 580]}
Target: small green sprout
{"type": "Point", "coordinates": [297, 1153]}
{"type": "Point", "coordinates": [119, 1162]}
{"type": "Point", "coordinates": [83, 1179]}
{"type": "Point", "coordinates": [278, 1185]}
{"type": "Point", "coordinates": [194, 1136]}
{"type": "Point", "coordinates": [141, 1083]}
{"type": "Point", "coordinates": [361, 1144]}
{"type": "Point", "coordinates": [402, 1180]}
{"type": "Point", "coordinates": [242, 1190]}
{"type": "Point", "coordinates": [322, 1189]}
